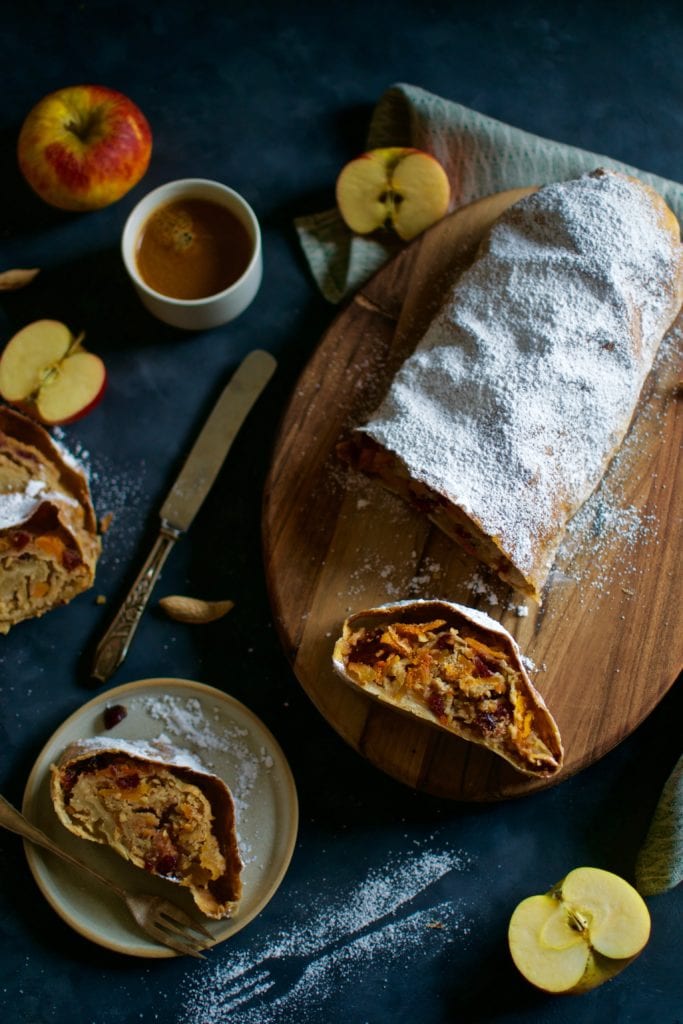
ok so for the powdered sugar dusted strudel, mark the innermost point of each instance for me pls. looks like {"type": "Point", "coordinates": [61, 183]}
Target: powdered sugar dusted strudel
{"type": "Point", "coordinates": [505, 417]}
{"type": "Point", "coordinates": [49, 543]}
{"type": "Point", "coordinates": [157, 808]}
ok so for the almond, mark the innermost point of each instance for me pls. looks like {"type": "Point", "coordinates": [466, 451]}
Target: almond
{"type": "Point", "coordinates": [194, 609]}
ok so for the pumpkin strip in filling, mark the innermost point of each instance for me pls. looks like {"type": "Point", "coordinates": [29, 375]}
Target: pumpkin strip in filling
{"type": "Point", "coordinates": [449, 675]}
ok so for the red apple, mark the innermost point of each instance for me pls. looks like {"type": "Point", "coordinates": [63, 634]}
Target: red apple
{"type": "Point", "coordinates": [46, 372]}
{"type": "Point", "coordinates": [397, 187]}
{"type": "Point", "coordinates": [84, 147]}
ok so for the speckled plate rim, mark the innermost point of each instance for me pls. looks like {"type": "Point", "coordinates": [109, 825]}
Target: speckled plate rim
{"type": "Point", "coordinates": [40, 868]}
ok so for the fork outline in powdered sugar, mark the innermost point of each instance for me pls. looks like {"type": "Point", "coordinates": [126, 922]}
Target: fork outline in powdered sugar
{"type": "Point", "coordinates": [255, 980]}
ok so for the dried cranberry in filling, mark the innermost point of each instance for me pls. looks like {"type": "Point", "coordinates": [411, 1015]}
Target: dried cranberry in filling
{"type": "Point", "coordinates": [483, 668]}
{"type": "Point", "coordinates": [167, 864]}
{"type": "Point", "coordinates": [19, 539]}
{"type": "Point", "coordinates": [69, 777]}
{"type": "Point", "coordinates": [437, 704]}
{"type": "Point", "coordinates": [131, 781]}
{"type": "Point", "coordinates": [368, 649]}
{"type": "Point", "coordinates": [71, 559]}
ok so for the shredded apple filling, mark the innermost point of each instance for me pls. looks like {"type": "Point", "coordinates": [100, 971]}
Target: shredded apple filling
{"type": "Point", "coordinates": [458, 678]}
{"type": "Point", "coordinates": [161, 819]}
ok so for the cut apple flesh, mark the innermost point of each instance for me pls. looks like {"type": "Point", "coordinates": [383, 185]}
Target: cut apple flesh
{"type": "Point", "coordinates": [619, 922]}
{"type": "Point", "coordinates": [46, 373]}
{"type": "Point", "coordinates": [581, 933]}
{"type": "Point", "coordinates": [396, 187]}
{"type": "Point", "coordinates": [28, 353]}
{"type": "Point", "coordinates": [75, 385]}
{"type": "Point", "coordinates": [362, 192]}
{"type": "Point", "coordinates": [424, 191]}
{"type": "Point", "coordinates": [553, 967]}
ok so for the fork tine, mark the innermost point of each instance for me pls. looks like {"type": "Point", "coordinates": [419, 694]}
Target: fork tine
{"type": "Point", "coordinates": [166, 940]}
{"type": "Point", "coordinates": [173, 913]}
{"type": "Point", "coordinates": [186, 948]}
{"type": "Point", "coordinates": [168, 924]}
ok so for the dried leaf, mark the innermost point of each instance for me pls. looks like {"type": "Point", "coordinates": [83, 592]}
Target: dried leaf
{"type": "Point", "coordinates": [194, 609]}
{"type": "Point", "coordinates": [11, 280]}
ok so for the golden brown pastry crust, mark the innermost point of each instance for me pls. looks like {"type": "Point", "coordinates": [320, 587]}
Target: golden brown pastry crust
{"type": "Point", "coordinates": [454, 668]}
{"type": "Point", "coordinates": [157, 808]}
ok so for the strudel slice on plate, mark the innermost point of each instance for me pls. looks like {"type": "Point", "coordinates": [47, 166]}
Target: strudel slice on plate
{"type": "Point", "coordinates": [49, 544]}
{"type": "Point", "coordinates": [159, 809]}
{"type": "Point", "coordinates": [504, 419]}
{"type": "Point", "coordinates": [455, 668]}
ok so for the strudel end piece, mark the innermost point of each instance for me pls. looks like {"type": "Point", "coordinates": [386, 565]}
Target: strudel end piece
{"type": "Point", "coordinates": [159, 809]}
{"type": "Point", "coordinates": [49, 544]}
{"type": "Point", "coordinates": [455, 668]}
{"type": "Point", "coordinates": [506, 416]}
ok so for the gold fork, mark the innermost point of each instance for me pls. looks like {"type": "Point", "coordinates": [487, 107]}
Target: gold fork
{"type": "Point", "coordinates": [159, 918]}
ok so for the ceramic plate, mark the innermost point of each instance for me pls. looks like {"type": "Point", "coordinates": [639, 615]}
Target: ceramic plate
{"type": "Point", "coordinates": [230, 741]}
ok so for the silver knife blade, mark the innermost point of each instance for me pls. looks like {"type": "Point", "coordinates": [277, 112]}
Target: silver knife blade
{"type": "Point", "coordinates": [188, 492]}
{"type": "Point", "coordinates": [215, 440]}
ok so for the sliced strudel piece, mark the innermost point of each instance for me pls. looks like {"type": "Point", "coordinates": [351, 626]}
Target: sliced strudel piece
{"type": "Point", "coordinates": [504, 419]}
{"type": "Point", "coordinates": [157, 808]}
{"type": "Point", "coordinates": [455, 668]}
{"type": "Point", "coordinates": [49, 544]}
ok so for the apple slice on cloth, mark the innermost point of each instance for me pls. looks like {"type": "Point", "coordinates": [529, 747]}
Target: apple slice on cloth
{"type": "Point", "coordinates": [45, 372]}
{"type": "Point", "coordinates": [589, 927]}
{"type": "Point", "coordinates": [83, 147]}
{"type": "Point", "coordinates": [396, 187]}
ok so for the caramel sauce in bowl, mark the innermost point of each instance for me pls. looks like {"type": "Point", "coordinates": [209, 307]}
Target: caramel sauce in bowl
{"type": "Point", "coordinates": [192, 249]}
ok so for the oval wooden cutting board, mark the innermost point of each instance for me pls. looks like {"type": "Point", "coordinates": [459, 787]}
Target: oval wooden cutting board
{"type": "Point", "coordinates": [606, 642]}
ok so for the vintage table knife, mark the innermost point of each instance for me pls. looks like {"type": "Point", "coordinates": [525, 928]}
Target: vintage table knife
{"type": "Point", "coordinates": [184, 500]}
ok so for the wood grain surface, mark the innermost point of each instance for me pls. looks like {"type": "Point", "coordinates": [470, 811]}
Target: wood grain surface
{"type": "Point", "coordinates": [606, 641]}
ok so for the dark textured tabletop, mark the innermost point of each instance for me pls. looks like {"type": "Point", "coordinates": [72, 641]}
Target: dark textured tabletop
{"type": "Point", "coordinates": [395, 906]}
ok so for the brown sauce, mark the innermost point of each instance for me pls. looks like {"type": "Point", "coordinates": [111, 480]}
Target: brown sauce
{"type": "Point", "coordinates": [192, 248]}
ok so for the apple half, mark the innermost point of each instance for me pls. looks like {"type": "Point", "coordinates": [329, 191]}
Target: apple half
{"type": "Point", "coordinates": [396, 187]}
{"type": "Point", "coordinates": [46, 372]}
{"type": "Point", "coordinates": [589, 927]}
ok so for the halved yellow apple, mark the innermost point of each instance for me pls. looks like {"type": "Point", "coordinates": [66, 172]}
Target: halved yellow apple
{"type": "Point", "coordinates": [589, 927]}
{"type": "Point", "coordinates": [396, 187]}
{"type": "Point", "coordinates": [46, 372]}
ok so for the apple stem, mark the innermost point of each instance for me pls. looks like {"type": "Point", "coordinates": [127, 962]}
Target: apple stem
{"type": "Point", "coordinates": [76, 343]}
{"type": "Point", "coordinates": [82, 126]}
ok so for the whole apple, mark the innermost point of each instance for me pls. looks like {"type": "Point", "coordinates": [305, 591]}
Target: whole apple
{"type": "Point", "coordinates": [83, 147]}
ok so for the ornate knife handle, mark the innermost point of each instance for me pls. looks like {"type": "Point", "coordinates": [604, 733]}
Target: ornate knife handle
{"type": "Point", "coordinates": [113, 646]}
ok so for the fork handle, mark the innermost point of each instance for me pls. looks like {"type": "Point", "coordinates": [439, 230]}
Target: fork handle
{"type": "Point", "coordinates": [14, 821]}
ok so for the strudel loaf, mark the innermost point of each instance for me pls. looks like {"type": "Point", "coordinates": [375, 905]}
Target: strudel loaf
{"type": "Point", "coordinates": [504, 419]}
{"type": "Point", "coordinates": [157, 808]}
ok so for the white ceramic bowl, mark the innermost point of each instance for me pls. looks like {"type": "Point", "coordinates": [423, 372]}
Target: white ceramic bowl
{"type": "Point", "coordinates": [213, 310]}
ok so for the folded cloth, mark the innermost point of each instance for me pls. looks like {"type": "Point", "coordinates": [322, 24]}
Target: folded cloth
{"type": "Point", "coordinates": [480, 155]}
{"type": "Point", "coordinates": [659, 865]}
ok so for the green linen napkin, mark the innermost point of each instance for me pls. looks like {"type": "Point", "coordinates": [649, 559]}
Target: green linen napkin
{"type": "Point", "coordinates": [481, 156]}
{"type": "Point", "coordinates": [659, 865]}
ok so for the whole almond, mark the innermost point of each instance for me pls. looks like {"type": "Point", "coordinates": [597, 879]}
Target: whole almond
{"type": "Point", "coordinates": [194, 609]}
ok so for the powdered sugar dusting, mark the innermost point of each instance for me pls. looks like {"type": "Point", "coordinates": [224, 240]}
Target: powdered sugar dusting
{"type": "Point", "coordinates": [397, 913]}
{"type": "Point", "coordinates": [524, 383]}
{"type": "Point", "coordinates": [185, 721]}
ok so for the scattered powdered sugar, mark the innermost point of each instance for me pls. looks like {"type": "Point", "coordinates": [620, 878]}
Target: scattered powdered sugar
{"type": "Point", "coordinates": [117, 492]}
{"type": "Point", "coordinates": [527, 379]}
{"type": "Point", "coordinates": [185, 720]}
{"type": "Point", "coordinates": [396, 915]}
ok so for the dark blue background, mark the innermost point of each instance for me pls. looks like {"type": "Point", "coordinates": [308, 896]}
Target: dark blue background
{"type": "Point", "coordinates": [272, 99]}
